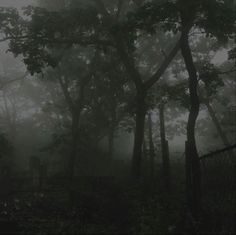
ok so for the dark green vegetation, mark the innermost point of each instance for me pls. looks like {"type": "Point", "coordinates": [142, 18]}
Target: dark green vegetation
{"type": "Point", "coordinates": [100, 73]}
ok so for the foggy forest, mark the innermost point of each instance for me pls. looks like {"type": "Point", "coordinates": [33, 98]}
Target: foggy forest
{"type": "Point", "coordinates": [117, 117]}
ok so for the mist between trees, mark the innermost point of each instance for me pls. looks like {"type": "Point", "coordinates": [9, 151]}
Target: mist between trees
{"type": "Point", "coordinates": [106, 107]}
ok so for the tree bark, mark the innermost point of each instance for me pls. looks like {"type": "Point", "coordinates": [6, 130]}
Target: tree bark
{"type": "Point", "coordinates": [164, 148]}
{"type": "Point", "coordinates": [139, 134]}
{"type": "Point", "coordinates": [194, 188]}
{"type": "Point", "coordinates": [151, 146]}
{"type": "Point", "coordinates": [73, 156]}
{"type": "Point", "coordinates": [111, 143]}
{"type": "Point", "coordinates": [145, 159]}
{"type": "Point", "coordinates": [112, 128]}
{"type": "Point", "coordinates": [74, 143]}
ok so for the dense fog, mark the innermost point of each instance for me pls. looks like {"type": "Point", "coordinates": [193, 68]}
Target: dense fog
{"type": "Point", "coordinates": [117, 116]}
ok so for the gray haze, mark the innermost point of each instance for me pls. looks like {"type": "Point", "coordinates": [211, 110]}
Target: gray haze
{"type": "Point", "coordinates": [16, 3]}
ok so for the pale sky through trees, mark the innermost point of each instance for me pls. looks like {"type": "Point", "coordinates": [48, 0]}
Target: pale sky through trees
{"type": "Point", "coordinates": [16, 3]}
{"type": "Point", "coordinates": [220, 57]}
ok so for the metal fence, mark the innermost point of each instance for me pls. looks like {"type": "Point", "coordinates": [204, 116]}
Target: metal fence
{"type": "Point", "coordinates": [219, 191]}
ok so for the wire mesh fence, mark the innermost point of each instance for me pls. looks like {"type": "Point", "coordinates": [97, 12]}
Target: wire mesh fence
{"type": "Point", "coordinates": [219, 191]}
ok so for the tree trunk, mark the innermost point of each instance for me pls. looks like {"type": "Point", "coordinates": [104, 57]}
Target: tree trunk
{"type": "Point", "coordinates": [145, 159]}
{"type": "Point", "coordinates": [194, 190]}
{"type": "Point", "coordinates": [164, 148]}
{"type": "Point", "coordinates": [111, 143]}
{"type": "Point", "coordinates": [72, 158]}
{"type": "Point", "coordinates": [112, 127]}
{"type": "Point", "coordinates": [74, 142]}
{"type": "Point", "coordinates": [217, 124]}
{"type": "Point", "coordinates": [75, 111]}
{"type": "Point", "coordinates": [139, 134]}
{"type": "Point", "coordinates": [151, 146]}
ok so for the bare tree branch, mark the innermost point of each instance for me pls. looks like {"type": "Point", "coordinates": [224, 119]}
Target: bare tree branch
{"type": "Point", "coordinates": [168, 58]}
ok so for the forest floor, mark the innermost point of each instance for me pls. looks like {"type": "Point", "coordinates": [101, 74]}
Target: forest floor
{"type": "Point", "coordinates": [102, 206]}
{"type": "Point", "coordinates": [110, 207]}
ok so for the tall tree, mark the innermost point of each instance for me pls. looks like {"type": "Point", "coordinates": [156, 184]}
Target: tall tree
{"type": "Point", "coordinates": [151, 145]}
{"type": "Point", "coordinates": [187, 16]}
{"type": "Point", "coordinates": [73, 86]}
{"type": "Point", "coordinates": [124, 50]}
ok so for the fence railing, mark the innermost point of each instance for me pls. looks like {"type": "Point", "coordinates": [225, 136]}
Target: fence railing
{"type": "Point", "coordinates": [219, 191]}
